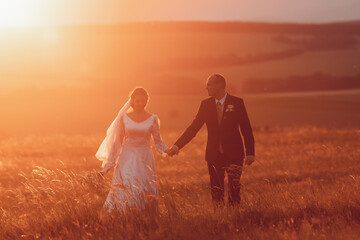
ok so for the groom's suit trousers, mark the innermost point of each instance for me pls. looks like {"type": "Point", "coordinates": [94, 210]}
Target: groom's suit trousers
{"type": "Point", "coordinates": [217, 171]}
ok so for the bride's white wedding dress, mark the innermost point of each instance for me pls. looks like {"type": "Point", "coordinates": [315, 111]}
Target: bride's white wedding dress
{"type": "Point", "coordinates": [134, 179]}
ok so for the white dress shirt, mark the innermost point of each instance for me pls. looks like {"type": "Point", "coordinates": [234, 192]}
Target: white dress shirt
{"type": "Point", "coordinates": [222, 101]}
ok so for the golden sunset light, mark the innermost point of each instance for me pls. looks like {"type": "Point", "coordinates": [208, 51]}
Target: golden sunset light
{"type": "Point", "coordinates": [169, 119]}
{"type": "Point", "coordinates": [19, 13]}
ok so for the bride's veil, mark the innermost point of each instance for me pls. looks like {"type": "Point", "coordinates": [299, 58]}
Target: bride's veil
{"type": "Point", "coordinates": [110, 147]}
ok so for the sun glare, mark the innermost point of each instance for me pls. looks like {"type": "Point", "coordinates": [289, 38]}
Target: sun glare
{"type": "Point", "coordinates": [18, 13]}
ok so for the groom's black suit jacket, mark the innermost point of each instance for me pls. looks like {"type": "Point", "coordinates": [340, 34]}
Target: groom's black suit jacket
{"type": "Point", "coordinates": [228, 134]}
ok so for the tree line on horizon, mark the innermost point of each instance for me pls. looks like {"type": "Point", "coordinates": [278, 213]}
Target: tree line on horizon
{"type": "Point", "coordinates": [315, 82]}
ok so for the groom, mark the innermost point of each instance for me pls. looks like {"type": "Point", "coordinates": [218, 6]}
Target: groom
{"type": "Point", "coordinates": [223, 114]}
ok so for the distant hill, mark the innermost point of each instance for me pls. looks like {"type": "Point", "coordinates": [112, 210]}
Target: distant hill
{"type": "Point", "coordinates": [315, 82]}
{"type": "Point", "coordinates": [353, 22]}
{"type": "Point", "coordinates": [226, 27]}
{"type": "Point", "coordinates": [168, 57]}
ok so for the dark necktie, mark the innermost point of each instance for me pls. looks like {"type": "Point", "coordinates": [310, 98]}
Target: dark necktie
{"type": "Point", "coordinates": [219, 112]}
{"type": "Point", "coordinates": [219, 116]}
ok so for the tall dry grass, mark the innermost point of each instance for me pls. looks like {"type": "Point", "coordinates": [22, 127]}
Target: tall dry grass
{"type": "Point", "coordinates": [305, 184]}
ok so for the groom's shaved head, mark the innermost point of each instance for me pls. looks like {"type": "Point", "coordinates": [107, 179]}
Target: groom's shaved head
{"type": "Point", "coordinates": [215, 85]}
{"type": "Point", "coordinates": [218, 79]}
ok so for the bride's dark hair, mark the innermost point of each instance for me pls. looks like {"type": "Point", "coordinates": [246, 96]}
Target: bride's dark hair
{"type": "Point", "coordinates": [139, 91]}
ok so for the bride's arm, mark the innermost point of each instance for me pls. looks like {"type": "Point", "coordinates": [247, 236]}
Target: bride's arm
{"type": "Point", "coordinates": [159, 143]}
{"type": "Point", "coordinates": [115, 151]}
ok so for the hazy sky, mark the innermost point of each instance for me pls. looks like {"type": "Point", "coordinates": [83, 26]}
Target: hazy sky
{"type": "Point", "coordinates": [40, 12]}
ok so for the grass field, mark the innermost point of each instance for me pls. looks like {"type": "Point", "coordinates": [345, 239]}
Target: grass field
{"type": "Point", "coordinates": [304, 185]}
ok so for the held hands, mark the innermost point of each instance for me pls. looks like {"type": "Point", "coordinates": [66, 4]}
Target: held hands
{"type": "Point", "coordinates": [172, 151]}
{"type": "Point", "coordinates": [249, 159]}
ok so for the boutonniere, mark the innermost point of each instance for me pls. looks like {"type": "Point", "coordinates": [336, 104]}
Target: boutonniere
{"type": "Point", "coordinates": [230, 108]}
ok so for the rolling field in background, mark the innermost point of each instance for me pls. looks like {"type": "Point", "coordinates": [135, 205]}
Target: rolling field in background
{"type": "Point", "coordinates": [108, 58]}
{"type": "Point", "coordinates": [73, 79]}
{"type": "Point", "coordinates": [73, 113]}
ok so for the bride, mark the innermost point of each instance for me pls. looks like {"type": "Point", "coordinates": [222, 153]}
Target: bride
{"type": "Point", "coordinates": [127, 148]}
